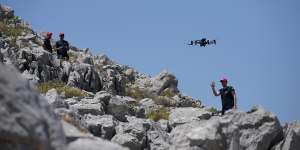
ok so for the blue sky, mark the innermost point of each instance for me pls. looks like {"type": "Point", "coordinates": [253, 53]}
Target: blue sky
{"type": "Point", "coordinates": [257, 42]}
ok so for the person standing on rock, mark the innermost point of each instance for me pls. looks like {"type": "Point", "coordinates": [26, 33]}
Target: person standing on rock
{"type": "Point", "coordinates": [62, 47]}
{"type": "Point", "coordinates": [227, 94]}
{"type": "Point", "coordinates": [47, 43]}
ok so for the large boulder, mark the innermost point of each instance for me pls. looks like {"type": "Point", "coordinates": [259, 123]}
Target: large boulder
{"type": "Point", "coordinates": [103, 60]}
{"type": "Point", "coordinates": [132, 134]}
{"type": "Point", "coordinates": [55, 100]}
{"type": "Point", "coordinates": [72, 117]}
{"type": "Point", "coordinates": [27, 121]}
{"type": "Point", "coordinates": [86, 58]}
{"type": "Point", "coordinates": [143, 81]}
{"type": "Point", "coordinates": [127, 140]}
{"type": "Point", "coordinates": [38, 63]}
{"type": "Point", "coordinates": [113, 80]}
{"type": "Point", "coordinates": [65, 71]}
{"type": "Point", "coordinates": [24, 59]}
{"type": "Point", "coordinates": [256, 129]}
{"type": "Point", "coordinates": [102, 126]}
{"type": "Point", "coordinates": [186, 101]}
{"type": "Point", "coordinates": [120, 106]}
{"type": "Point", "coordinates": [291, 139]}
{"type": "Point", "coordinates": [130, 74]}
{"type": "Point", "coordinates": [163, 81]}
{"type": "Point", "coordinates": [73, 133]}
{"type": "Point", "coordinates": [94, 144]}
{"type": "Point", "coordinates": [147, 104]}
{"type": "Point", "coordinates": [85, 77]}
{"type": "Point", "coordinates": [103, 97]}
{"type": "Point", "coordinates": [187, 114]}
{"type": "Point", "coordinates": [52, 96]}
{"type": "Point", "coordinates": [88, 108]}
{"type": "Point", "coordinates": [157, 137]}
{"type": "Point", "coordinates": [42, 56]}
{"type": "Point", "coordinates": [207, 136]}
{"type": "Point", "coordinates": [178, 136]}
{"type": "Point", "coordinates": [6, 12]}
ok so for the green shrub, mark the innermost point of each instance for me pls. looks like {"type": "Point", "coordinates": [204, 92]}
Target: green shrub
{"type": "Point", "coordinates": [168, 93]}
{"type": "Point", "coordinates": [161, 113]}
{"type": "Point", "coordinates": [165, 101]}
{"type": "Point", "coordinates": [61, 88]}
{"type": "Point", "coordinates": [165, 98]}
{"type": "Point", "coordinates": [73, 92]}
{"type": "Point", "coordinates": [10, 31]}
{"type": "Point", "coordinates": [213, 110]}
{"type": "Point", "coordinates": [73, 56]}
{"type": "Point", "coordinates": [135, 93]}
{"type": "Point", "coordinates": [99, 67]}
{"type": "Point", "coordinates": [46, 86]}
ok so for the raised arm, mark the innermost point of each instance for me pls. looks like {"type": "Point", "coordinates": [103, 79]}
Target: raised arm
{"type": "Point", "coordinates": [213, 89]}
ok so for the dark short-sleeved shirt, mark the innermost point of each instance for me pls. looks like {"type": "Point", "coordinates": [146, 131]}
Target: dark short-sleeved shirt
{"type": "Point", "coordinates": [47, 45]}
{"type": "Point", "coordinates": [227, 97]}
{"type": "Point", "coordinates": [62, 45]}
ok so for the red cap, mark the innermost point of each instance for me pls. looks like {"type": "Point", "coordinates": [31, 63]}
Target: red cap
{"type": "Point", "coordinates": [61, 34]}
{"type": "Point", "coordinates": [223, 79]}
{"type": "Point", "coordinates": [49, 33]}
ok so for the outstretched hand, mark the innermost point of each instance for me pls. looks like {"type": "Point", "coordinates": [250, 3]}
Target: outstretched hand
{"type": "Point", "coordinates": [213, 84]}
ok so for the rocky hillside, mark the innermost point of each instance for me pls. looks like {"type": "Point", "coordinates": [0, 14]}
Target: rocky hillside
{"type": "Point", "coordinates": [91, 102]}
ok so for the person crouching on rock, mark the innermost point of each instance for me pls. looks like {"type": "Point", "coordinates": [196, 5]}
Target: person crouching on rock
{"type": "Point", "coordinates": [47, 43]}
{"type": "Point", "coordinates": [62, 47]}
{"type": "Point", "coordinates": [228, 95]}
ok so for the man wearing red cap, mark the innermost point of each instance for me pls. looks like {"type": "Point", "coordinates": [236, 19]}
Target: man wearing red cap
{"type": "Point", "coordinates": [62, 47]}
{"type": "Point", "coordinates": [227, 94]}
{"type": "Point", "coordinates": [47, 43]}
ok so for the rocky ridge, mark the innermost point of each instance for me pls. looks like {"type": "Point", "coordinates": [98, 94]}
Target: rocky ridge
{"type": "Point", "coordinates": [92, 102]}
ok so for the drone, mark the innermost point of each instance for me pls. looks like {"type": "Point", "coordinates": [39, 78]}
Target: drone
{"type": "Point", "coordinates": [203, 42]}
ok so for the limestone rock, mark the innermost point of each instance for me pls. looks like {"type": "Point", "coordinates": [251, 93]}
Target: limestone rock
{"type": "Point", "coordinates": [132, 134]}
{"type": "Point", "coordinates": [187, 114]}
{"type": "Point", "coordinates": [113, 80]}
{"type": "Point", "coordinates": [86, 58]}
{"type": "Point", "coordinates": [148, 104]}
{"type": "Point", "coordinates": [103, 96]}
{"type": "Point", "coordinates": [102, 126]}
{"type": "Point", "coordinates": [85, 77]}
{"type": "Point", "coordinates": [157, 137]}
{"type": "Point", "coordinates": [256, 129]}
{"type": "Point", "coordinates": [178, 136]}
{"type": "Point", "coordinates": [127, 140]}
{"type": "Point", "coordinates": [94, 144]}
{"type": "Point", "coordinates": [206, 136]}
{"type": "Point", "coordinates": [72, 133]}
{"type": "Point", "coordinates": [103, 60]}
{"type": "Point", "coordinates": [6, 12]}
{"type": "Point", "coordinates": [84, 108]}
{"type": "Point", "coordinates": [54, 99]}
{"type": "Point", "coordinates": [291, 139]}
{"type": "Point", "coordinates": [120, 106]}
{"type": "Point", "coordinates": [163, 81]}
{"type": "Point", "coordinates": [27, 121]}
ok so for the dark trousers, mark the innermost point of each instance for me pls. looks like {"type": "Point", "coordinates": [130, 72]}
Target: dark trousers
{"type": "Point", "coordinates": [61, 55]}
{"type": "Point", "coordinates": [224, 109]}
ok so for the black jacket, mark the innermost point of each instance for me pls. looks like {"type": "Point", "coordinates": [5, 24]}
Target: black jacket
{"type": "Point", "coordinates": [47, 45]}
{"type": "Point", "coordinates": [62, 46]}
